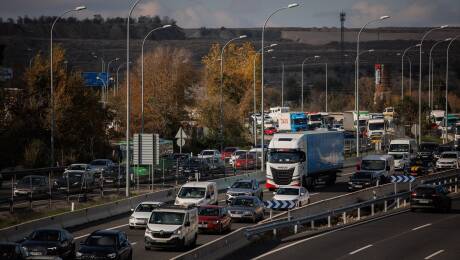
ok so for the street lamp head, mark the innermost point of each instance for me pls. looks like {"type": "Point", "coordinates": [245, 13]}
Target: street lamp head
{"type": "Point", "coordinates": [273, 45]}
{"type": "Point", "coordinates": [243, 36]}
{"type": "Point", "coordinates": [273, 57]}
{"type": "Point", "coordinates": [117, 59]}
{"type": "Point", "coordinates": [166, 26]}
{"type": "Point", "coordinates": [418, 45]}
{"type": "Point", "coordinates": [293, 5]}
{"type": "Point", "coordinates": [371, 50]}
{"type": "Point", "coordinates": [79, 8]}
{"type": "Point", "coordinates": [317, 57]}
{"type": "Point", "coordinates": [398, 54]}
{"type": "Point", "coordinates": [447, 39]}
{"type": "Point", "coordinates": [270, 50]}
{"type": "Point", "coordinates": [444, 26]}
{"type": "Point", "coordinates": [384, 17]}
{"type": "Point", "coordinates": [98, 78]}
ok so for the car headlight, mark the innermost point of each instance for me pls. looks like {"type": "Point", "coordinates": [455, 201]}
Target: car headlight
{"type": "Point", "coordinates": [132, 218]}
{"type": "Point", "coordinates": [112, 255]}
{"type": "Point", "coordinates": [25, 250]}
{"type": "Point", "coordinates": [78, 254]}
{"type": "Point", "coordinates": [177, 232]}
{"type": "Point", "coordinates": [52, 248]}
{"type": "Point", "coordinates": [148, 231]}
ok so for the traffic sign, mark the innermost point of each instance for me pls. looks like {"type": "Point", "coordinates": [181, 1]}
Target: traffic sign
{"type": "Point", "coordinates": [402, 178]}
{"type": "Point", "coordinates": [279, 204]}
{"type": "Point", "coordinates": [180, 142]}
{"type": "Point", "coordinates": [181, 134]}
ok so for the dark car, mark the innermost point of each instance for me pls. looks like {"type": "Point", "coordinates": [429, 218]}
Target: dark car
{"type": "Point", "coordinates": [49, 242]}
{"type": "Point", "coordinates": [32, 185]}
{"type": "Point", "coordinates": [214, 218]}
{"type": "Point", "coordinates": [11, 251]}
{"type": "Point", "coordinates": [74, 181]}
{"type": "Point", "coordinates": [248, 187]}
{"type": "Point", "coordinates": [362, 179]}
{"type": "Point", "coordinates": [430, 197]}
{"type": "Point", "coordinates": [106, 244]}
{"type": "Point", "coordinates": [216, 165]}
{"type": "Point", "coordinates": [428, 150]}
{"type": "Point", "coordinates": [189, 167]}
{"type": "Point", "coordinates": [247, 208]}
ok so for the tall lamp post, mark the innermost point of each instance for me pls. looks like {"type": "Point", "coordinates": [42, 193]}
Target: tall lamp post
{"type": "Point", "coordinates": [447, 87]}
{"type": "Point", "coordinates": [128, 94]}
{"type": "Point", "coordinates": [142, 72]}
{"type": "Point", "coordinates": [262, 81]}
{"type": "Point", "coordinates": [420, 82]}
{"type": "Point", "coordinates": [402, 70]}
{"type": "Point", "coordinates": [76, 9]}
{"type": "Point", "coordinates": [357, 77]}
{"type": "Point", "coordinates": [221, 128]}
{"type": "Point", "coordinates": [108, 77]}
{"type": "Point", "coordinates": [118, 69]}
{"type": "Point", "coordinates": [302, 91]}
{"type": "Point", "coordinates": [430, 73]}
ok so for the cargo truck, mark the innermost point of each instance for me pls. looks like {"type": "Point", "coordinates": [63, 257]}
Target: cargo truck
{"type": "Point", "coordinates": [314, 120]}
{"type": "Point", "coordinates": [350, 118]}
{"type": "Point", "coordinates": [292, 122]}
{"type": "Point", "coordinates": [307, 158]}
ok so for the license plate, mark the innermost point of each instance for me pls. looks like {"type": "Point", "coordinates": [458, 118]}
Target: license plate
{"type": "Point", "coordinates": [237, 215]}
{"type": "Point", "coordinates": [358, 186]}
{"type": "Point", "coordinates": [109, 181]}
{"type": "Point", "coordinates": [202, 225]}
{"type": "Point", "coordinates": [423, 201]}
{"type": "Point", "coordinates": [35, 253]}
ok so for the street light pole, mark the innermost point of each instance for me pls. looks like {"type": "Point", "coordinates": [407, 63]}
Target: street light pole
{"type": "Point", "coordinates": [430, 70]}
{"type": "Point", "coordinates": [79, 8]}
{"type": "Point", "coordinates": [447, 88]}
{"type": "Point", "coordinates": [221, 128]}
{"type": "Point", "coordinates": [128, 93]}
{"type": "Point", "coordinates": [402, 69]}
{"type": "Point", "coordinates": [301, 83]}
{"type": "Point", "coordinates": [282, 84]}
{"type": "Point", "coordinates": [326, 87]}
{"type": "Point", "coordinates": [357, 78]}
{"type": "Point", "coordinates": [420, 82]}
{"type": "Point", "coordinates": [108, 77]}
{"type": "Point", "coordinates": [142, 72]}
{"type": "Point", "coordinates": [262, 81]}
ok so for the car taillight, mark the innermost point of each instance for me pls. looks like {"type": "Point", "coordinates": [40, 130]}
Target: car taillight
{"type": "Point", "coordinates": [414, 194]}
{"type": "Point", "coordinates": [434, 195]}
{"type": "Point", "coordinates": [358, 167]}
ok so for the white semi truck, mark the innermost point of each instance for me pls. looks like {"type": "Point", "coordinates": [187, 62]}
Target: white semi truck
{"type": "Point", "coordinates": [307, 158]}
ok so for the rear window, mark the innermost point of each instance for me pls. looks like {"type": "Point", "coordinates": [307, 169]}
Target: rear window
{"type": "Point", "coordinates": [230, 149]}
{"type": "Point", "coordinates": [425, 190]}
{"type": "Point", "coordinates": [208, 212]}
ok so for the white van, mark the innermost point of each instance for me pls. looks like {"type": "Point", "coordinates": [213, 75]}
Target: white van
{"type": "Point", "coordinates": [172, 227]}
{"type": "Point", "coordinates": [402, 149]}
{"type": "Point", "coordinates": [197, 193]}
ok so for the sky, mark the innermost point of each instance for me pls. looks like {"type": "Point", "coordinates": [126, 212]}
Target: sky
{"type": "Point", "coordinates": [252, 13]}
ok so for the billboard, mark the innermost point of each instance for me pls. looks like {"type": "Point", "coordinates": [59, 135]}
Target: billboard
{"type": "Point", "coordinates": [91, 80]}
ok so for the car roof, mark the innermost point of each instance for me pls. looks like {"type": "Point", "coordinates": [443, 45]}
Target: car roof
{"type": "Point", "coordinates": [152, 203]}
{"type": "Point", "coordinates": [198, 184]}
{"type": "Point", "coordinates": [79, 164]}
{"type": "Point", "coordinates": [449, 152]}
{"type": "Point", "coordinates": [289, 187]}
{"type": "Point", "coordinates": [110, 232]}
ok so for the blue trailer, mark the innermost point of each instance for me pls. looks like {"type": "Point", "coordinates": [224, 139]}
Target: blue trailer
{"type": "Point", "coordinates": [306, 158]}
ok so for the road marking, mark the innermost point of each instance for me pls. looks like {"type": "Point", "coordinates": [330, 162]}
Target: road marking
{"type": "Point", "coordinates": [423, 226]}
{"type": "Point", "coordinates": [313, 194]}
{"type": "Point", "coordinates": [346, 174]}
{"type": "Point", "coordinates": [359, 250]}
{"type": "Point", "coordinates": [327, 233]}
{"type": "Point", "coordinates": [133, 243]}
{"type": "Point", "coordinates": [85, 235]}
{"type": "Point", "coordinates": [222, 200]}
{"type": "Point", "coordinates": [434, 254]}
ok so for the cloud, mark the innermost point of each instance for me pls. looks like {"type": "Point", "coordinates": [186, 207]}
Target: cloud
{"type": "Point", "coordinates": [363, 12]}
{"type": "Point", "coordinates": [199, 15]}
{"type": "Point", "coordinates": [149, 9]}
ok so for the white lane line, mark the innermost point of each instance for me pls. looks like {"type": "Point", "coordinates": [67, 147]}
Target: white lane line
{"type": "Point", "coordinates": [346, 174]}
{"type": "Point", "coordinates": [133, 243]}
{"type": "Point", "coordinates": [313, 194]}
{"type": "Point", "coordinates": [222, 200]}
{"type": "Point", "coordinates": [359, 250]}
{"type": "Point", "coordinates": [85, 235]}
{"type": "Point", "coordinates": [434, 254]}
{"type": "Point", "coordinates": [423, 226]}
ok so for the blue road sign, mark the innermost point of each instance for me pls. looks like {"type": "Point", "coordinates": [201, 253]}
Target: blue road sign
{"type": "Point", "coordinates": [91, 80]}
{"type": "Point", "coordinates": [402, 178]}
{"type": "Point", "coordinates": [279, 204]}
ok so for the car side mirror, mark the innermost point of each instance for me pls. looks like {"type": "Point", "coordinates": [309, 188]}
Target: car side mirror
{"type": "Point", "coordinates": [208, 196]}
{"type": "Point", "coordinates": [388, 168]}
{"type": "Point", "coordinates": [187, 224]}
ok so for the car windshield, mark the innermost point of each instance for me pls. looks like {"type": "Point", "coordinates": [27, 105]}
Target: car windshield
{"type": "Point", "coordinates": [362, 122]}
{"type": "Point", "coordinates": [207, 153]}
{"type": "Point", "coordinates": [315, 117]}
{"type": "Point", "coordinates": [242, 185]}
{"type": "Point", "coordinates": [449, 156]}
{"type": "Point", "coordinates": [98, 162]}
{"type": "Point", "coordinates": [285, 157]}
{"type": "Point", "coordinates": [167, 218]}
{"type": "Point", "coordinates": [103, 240]}
{"type": "Point", "coordinates": [245, 202]}
{"type": "Point", "coordinates": [287, 191]}
{"type": "Point", "coordinates": [376, 126]}
{"type": "Point", "coordinates": [398, 156]}
{"type": "Point", "coordinates": [34, 181]}
{"type": "Point", "coordinates": [373, 165]}
{"type": "Point", "coordinates": [208, 212]}
{"type": "Point", "coordinates": [45, 235]}
{"type": "Point", "coordinates": [145, 208]}
{"type": "Point", "coordinates": [439, 119]}
{"type": "Point", "coordinates": [77, 167]}
{"type": "Point", "coordinates": [192, 192]}
{"type": "Point", "coordinates": [399, 148]}
{"type": "Point", "coordinates": [361, 175]}
{"type": "Point", "coordinates": [445, 148]}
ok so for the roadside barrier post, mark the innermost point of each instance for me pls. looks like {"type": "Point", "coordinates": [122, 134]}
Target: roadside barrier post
{"type": "Point", "coordinates": [385, 206]}
{"type": "Point", "coordinates": [328, 221]}
{"type": "Point", "coordinates": [295, 229]}
{"type": "Point", "coordinates": [359, 214]}
{"type": "Point", "coordinates": [312, 224]}
{"type": "Point", "coordinates": [397, 203]}
{"type": "Point", "coordinates": [344, 216]}
{"type": "Point", "coordinates": [456, 185]}
{"type": "Point", "coordinates": [372, 210]}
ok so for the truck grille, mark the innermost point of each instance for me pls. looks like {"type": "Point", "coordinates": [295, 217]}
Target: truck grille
{"type": "Point", "coordinates": [282, 177]}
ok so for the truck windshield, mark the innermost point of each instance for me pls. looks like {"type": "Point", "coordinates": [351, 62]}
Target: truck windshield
{"type": "Point", "coordinates": [376, 126]}
{"type": "Point", "coordinates": [287, 191]}
{"type": "Point", "coordinates": [192, 192]}
{"type": "Point", "coordinates": [300, 121]}
{"type": "Point", "coordinates": [315, 117]}
{"type": "Point", "coordinates": [399, 148]}
{"type": "Point", "coordinates": [373, 165]}
{"type": "Point", "coordinates": [167, 218]}
{"type": "Point", "coordinates": [285, 157]}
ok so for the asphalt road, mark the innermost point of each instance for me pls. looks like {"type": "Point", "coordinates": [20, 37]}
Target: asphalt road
{"type": "Point", "coordinates": [409, 235]}
{"type": "Point", "coordinates": [136, 237]}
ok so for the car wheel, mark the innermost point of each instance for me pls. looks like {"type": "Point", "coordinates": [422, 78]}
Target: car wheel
{"type": "Point", "coordinates": [131, 227]}
{"type": "Point", "coordinates": [300, 204]}
{"type": "Point", "coordinates": [130, 257]}
{"type": "Point", "coordinates": [193, 244]}
{"type": "Point", "coordinates": [220, 229]}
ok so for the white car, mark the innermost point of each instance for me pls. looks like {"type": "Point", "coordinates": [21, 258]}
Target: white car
{"type": "Point", "coordinates": [401, 161]}
{"type": "Point", "coordinates": [293, 193]}
{"type": "Point", "coordinates": [235, 156]}
{"type": "Point", "coordinates": [448, 160]}
{"type": "Point", "coordinates": [209, 154]}
{"type": "Point", "coordinates": [141, 214]}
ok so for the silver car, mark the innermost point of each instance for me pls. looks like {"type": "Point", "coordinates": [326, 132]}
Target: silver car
{"type": "Point", "coordinates": [247, 208]}
{"type": "Point", "coordinates": [248, 187]}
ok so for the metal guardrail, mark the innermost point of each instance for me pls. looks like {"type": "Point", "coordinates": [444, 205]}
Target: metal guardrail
{"type": "Point", "coordinates": [395, 198]}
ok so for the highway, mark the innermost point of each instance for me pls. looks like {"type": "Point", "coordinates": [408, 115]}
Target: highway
{"type": "Point", "coordinates": [408, 235]}
{"type": "Point", "coordinates": [136, 237]}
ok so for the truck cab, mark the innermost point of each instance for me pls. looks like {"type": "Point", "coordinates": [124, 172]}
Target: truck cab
{"type": "Point", "coordinates": [402, 150]}
{"type": "Point", "coordinates": [314, 120]}
{"type": "Point", "coordinates": [172, 227]}
{"type": "Point", "coordinates": [375, 127]}
{"type": "Point", "coordinates": [292, 122]}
